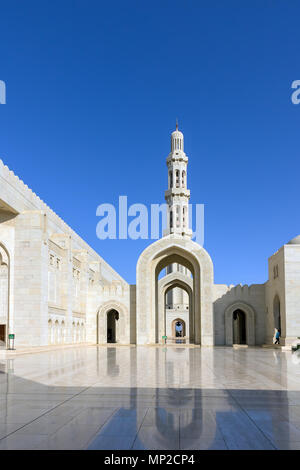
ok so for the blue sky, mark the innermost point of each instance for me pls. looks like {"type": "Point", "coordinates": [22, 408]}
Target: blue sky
{"type": "Point", "coordinates": [93, 91]}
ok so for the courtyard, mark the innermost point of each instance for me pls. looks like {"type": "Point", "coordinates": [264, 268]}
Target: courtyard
{"type": "Point", "coordinates": [147, 397]}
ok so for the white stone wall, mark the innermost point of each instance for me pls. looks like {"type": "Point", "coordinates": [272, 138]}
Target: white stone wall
{"type": "Point", "coordinates": [225, 296]}
{"type": "Point", "coordinates": [50, 304]}
{"type": "Point", "coordinates": [275, 287]}
{"type": "Point", "coordinates": [292, 289]}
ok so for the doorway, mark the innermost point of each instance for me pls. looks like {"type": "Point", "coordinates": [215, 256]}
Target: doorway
{"type": "Point", "coordinates": [2, 336]}
{"type": "Point", "coordinates": [239, 327]}
{"type": "Point", "coordinates": [178, 328]}
{"type": "Point", "coordinates": [112, 318]}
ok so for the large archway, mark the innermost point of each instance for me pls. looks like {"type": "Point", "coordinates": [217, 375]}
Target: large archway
{"type": "Point", "coordinates": [158, 256]}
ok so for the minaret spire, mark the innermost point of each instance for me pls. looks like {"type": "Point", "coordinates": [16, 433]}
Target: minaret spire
{"type": "Point", "coordinates": [177, 195]}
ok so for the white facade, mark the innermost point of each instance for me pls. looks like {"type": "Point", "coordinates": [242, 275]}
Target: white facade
{"type": "Point", "coordinates": [55, 289]}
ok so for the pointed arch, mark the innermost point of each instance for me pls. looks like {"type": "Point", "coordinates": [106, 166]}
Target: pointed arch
{"type": "Point", "coordinates": [156, 257]}
{"type": "Point", "coordinates": [250, 322]}
{"type": "Point", "coordinates": [122, 329]}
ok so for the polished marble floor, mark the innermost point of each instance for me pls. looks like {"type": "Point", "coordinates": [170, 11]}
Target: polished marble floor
{"type": "Point", "coordinates": [151, 398]}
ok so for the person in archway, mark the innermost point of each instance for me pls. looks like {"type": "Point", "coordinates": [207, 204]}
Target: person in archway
{"type": "Point", "coordinates": [277, 337]}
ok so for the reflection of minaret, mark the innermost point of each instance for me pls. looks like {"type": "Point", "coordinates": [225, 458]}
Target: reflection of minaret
{"type": "Point", "coordinates": [177, 195]}
{"type": "Point", "coordinates": [113, 368]}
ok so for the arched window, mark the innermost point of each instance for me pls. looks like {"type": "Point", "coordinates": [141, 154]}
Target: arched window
{"type": "Point", "coordinates": [171, 218]}
{"type": "Point", "coordinates": [177, 179]}
{"type": "Point", "coordinates": [171, 178]}
{"type": "Point", "coordinates": [177, 216]}
{"type": "Point", "coordinates": [63, 332]}
{"type": "Point", "coordinates": [183, 179]}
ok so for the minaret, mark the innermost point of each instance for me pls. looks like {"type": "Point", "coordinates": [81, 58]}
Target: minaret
{"type": "Point", "coordinates": [177, 196]}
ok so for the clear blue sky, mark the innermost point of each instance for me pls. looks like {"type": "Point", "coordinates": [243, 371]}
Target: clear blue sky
{"type": "Point", "coordinates": [93, 91]}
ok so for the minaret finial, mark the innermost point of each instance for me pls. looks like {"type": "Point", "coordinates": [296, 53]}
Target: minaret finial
{"type": "Point", "coordinates": [176, 124]}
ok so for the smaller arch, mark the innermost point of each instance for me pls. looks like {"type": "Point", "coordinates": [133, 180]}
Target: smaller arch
{"type": "Point", "coordinates": [165, 285]}
{"type": "Point", "coordinates": [102, 321]}
{"type": "Point", "coordinates": [250, 322]}
{"type": "Point", "coordinates": [175, 330]}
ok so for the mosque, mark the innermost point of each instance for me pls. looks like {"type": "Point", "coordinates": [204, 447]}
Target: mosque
{"type": "Point", "coordinates": [55, 289]}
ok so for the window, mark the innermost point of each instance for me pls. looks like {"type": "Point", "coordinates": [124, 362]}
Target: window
{"type": "Point", "coordinates": [171, 219]}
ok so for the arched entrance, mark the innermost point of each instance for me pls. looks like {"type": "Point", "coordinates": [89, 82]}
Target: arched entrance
{"type": "Point", "coordinates": [112, 323]}
{"type": "Point", "coordinates": [159, 255]}
{"type": "Point", "coordinates": [112, 318]}
{"type": "Point", "coordinates": [239, 324]}
{"type": "Point", "coordinates": [178, 328]}
{"type": "Point", "coordinates": [166, 324]}
{"type": "Point", "coordinates": [276, 313]}
{"type": "Point", "coordinates": [239, 327]}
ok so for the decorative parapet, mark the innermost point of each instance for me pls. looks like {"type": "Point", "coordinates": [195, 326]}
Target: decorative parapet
{"type": "Point", "coordinates": [56, 248]}
{"type": "Point", "coordinates": [18, 197]}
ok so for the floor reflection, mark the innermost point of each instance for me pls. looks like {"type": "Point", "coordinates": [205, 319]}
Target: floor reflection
{"type": "Point", "coordinates": [150, 398]}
